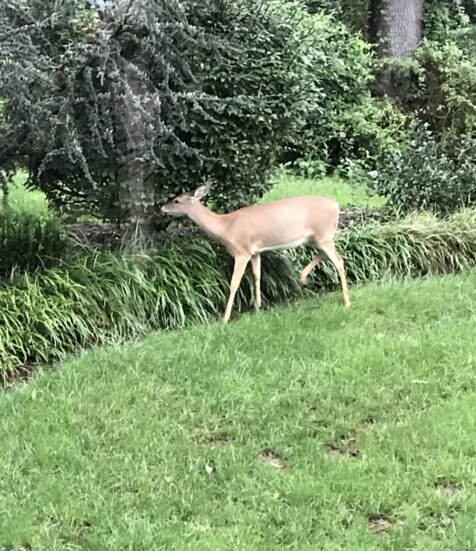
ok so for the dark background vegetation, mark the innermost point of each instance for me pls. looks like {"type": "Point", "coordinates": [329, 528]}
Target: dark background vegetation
{"type": "Point", "coordinates": [114, 107]}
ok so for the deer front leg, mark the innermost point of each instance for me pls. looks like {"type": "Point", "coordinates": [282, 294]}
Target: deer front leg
{"type": "Point", "coordinates": [240, 266]}
{"type": "Point", "coordinates": [256, 267]}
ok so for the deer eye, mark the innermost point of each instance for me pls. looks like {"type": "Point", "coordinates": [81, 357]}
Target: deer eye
{"type": "Point", "coordinates": [176, 201]}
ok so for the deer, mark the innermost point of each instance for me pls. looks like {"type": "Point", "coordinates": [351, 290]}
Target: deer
{"type": "Point", "coordinates": [252, 230]}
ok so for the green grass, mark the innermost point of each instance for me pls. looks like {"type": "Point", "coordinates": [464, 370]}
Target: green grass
{"type": "Point", "coordinates": [157, 445]}
{"type": "Point", "coordinates": [21, 199]}
{"type": "Point", "coordinates": [285, 185]}
{"type": "Point", "coordinates": [345, 193]}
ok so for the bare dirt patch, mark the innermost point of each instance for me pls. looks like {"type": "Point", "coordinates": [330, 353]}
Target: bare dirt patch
{"type": "Point", "coordinates": [97, 234]}
{"type": "Point", "coordinates": [379, 524]}
{"type": "Point", "coordinates": [367, 422]}
{"type": "Point", "coordinates": [218, 440]}
{"type": "Point", "coordinates": [448, 488]}
{"type": "Point", "coordinates": [269, 457]}
{"type": "Point", "coordinates": [345, 446]}
{"type": "Point", "coordinates": [438, 520]}
{"type": "Point", "coordinates": [358, 215]}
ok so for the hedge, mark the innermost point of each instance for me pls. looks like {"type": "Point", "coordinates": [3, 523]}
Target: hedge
{"type": "Point", "coordinates": [29, 241]}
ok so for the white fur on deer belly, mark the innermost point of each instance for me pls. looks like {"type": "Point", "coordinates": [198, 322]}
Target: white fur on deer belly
{"type": "Point", "coordinates": [255, 249]}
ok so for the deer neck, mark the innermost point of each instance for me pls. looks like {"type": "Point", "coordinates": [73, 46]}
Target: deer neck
{"type": "Point", "coordinates": [208, 221]}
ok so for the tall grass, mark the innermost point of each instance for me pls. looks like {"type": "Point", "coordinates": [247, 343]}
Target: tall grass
{"type": "Point", "coordinates": [416, 246]}
{"type": "Point", "coordinates": [104, 296]}
{"type": "Point", "coordinates": [29, 241]}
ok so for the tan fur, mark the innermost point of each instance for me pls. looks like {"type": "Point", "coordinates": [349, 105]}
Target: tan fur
{"type": "Point", "coordinates": [282, 224]}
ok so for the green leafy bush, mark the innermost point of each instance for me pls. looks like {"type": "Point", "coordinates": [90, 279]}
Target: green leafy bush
{"type": "Point", "coordinates": [452, 21]}
{"type": "Point", "coordinates": [347, 123]}
{"type": "Point", "coordinates": [366, 134]}
{"type": "Point", "coordinates": [29, 241]}
{"type": "Point", "coordinates": [147, 98]}
{"type": "Point", "coordinates": [427, 176]}
{"type": "Point", "coordinates": [447, 99]}
{"type": "Point", "coordinates": [437, 86]}
{"type": "Point", "coordinates": [104, 296]}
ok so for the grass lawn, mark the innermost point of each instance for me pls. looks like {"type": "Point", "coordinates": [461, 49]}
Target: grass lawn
{"type": "Point", "coordinates": [286, 185]}
{"type": "Point", "coordinates": [343, 191]}
{"type": "Point", "coordinates": [21, 199]}
{"type": "Point", "coordinates": [307, 427]}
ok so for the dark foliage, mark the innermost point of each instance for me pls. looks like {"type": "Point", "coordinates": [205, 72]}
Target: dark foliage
{"type": "Point", "coordinates": [354, 13]}
{"type": "Point", "coordinates": [29, 242]}
{"type": "Point", "coordinates": [429, 176]}
{"type": "Point", "coordinates": [115, 110]}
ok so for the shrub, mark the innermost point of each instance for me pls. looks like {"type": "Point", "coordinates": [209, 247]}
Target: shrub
{"type": "Point", "coordinates": [347, 124]}
{"type": "Point", "coordinates": [29, 241]}
{"type": "Point", "coordinates": [132, 106]}
{"type": "Point", "coordinates": [447, 98]}
{"type": "Point", "coordinates": [426, 177]}
{"type": "Point", "coordinates": [102, 297]}
{"type": "Point", "coordinates": [365, 134]}
{"type": "Point", "coordinates": [437, 85]}
{"type": "Point", "coordinates": [445, 21]}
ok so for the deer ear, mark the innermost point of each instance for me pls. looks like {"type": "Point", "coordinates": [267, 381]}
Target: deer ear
{"type": "Point", "coordinates": [202, 191]}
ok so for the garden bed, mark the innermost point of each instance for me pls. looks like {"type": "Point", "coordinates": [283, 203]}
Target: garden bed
{"type": "Point", "coordinates": [102, 296]}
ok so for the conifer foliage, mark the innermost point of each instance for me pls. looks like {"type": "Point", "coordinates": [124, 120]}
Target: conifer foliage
{"type": "Point", "coordinates": [115, 106]}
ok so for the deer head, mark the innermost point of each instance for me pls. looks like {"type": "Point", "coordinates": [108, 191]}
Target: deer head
{"type": "Point", "coordinates": [184, 203]}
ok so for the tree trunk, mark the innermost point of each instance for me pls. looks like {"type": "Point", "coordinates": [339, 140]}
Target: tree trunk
{"type": "Point", "coordinates": [396, 26]}
{"type": "Point", "coordinates": [138, 111]}
{"type": "Point", "coordinates": [136, 192]}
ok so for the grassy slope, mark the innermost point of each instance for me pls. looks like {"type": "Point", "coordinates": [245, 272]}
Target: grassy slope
{"type": "Point", "coordinates": [287, 185]}
{"type": "Point", "coordinates": [111, 451]}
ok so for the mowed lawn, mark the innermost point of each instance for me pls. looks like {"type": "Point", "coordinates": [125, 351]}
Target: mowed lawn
{"type": "Point", "coordinates": [307, 427]}
{"type": "Point", "coordinates": [21, 199]}
{"type": "Point", "coordinates": [346, 193]}
{"type": "Point", "coordinates": [285, 184]}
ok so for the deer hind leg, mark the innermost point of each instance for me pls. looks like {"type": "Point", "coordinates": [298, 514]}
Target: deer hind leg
{"type": "Point", "coordinates": [308, 269]}
{"type": "Point", "coordinates": [240, 266]}
{"type": "Point", "coordinates": [256, 267]}
{"type": "Point", "coordinates": [330, 251]}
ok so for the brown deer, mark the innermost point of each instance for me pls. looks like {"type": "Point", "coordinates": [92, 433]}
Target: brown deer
{"type": "Point", "coordinates": [249, 231]}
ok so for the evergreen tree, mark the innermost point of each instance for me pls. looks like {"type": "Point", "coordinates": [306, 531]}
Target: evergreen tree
{"type": "Point", "coordinates": [115, 108]}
